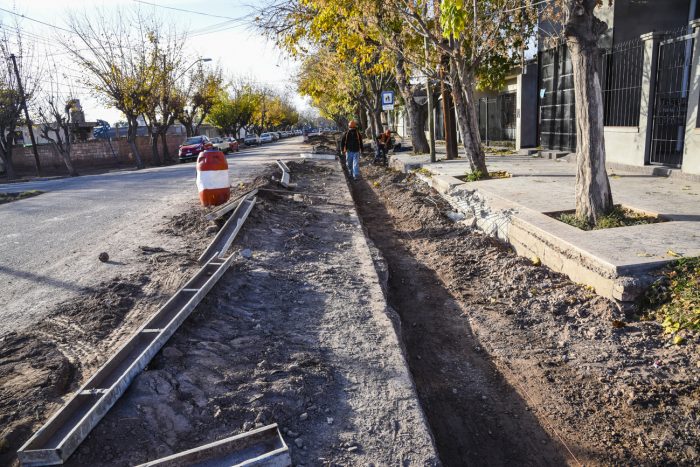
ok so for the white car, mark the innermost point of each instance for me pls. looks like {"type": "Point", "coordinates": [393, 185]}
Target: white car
{"type": "Point", "coordinates": [266, 138]}
{"type": "Point", "coordinates": [251, 140]}
{"type": "Point", "coordinates": [221, 144]}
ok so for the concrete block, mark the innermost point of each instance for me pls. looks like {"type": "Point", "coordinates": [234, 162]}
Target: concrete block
{"type": "Point", "coordinates": [445, 183]}
{"type": "Point", "coordinates": [528, 152]}
{"type": "Point", "coordinates": [553, 154]}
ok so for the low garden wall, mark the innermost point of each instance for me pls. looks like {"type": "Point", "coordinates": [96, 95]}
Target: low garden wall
{"type": "Point", "coordinates": [95, 154]}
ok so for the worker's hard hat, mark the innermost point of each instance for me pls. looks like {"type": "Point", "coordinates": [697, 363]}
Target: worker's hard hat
{"type": "Point", "coordinates": [353, 124]}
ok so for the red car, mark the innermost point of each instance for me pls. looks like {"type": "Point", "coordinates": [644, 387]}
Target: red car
{"type": "Point", "coordinates": [233, 144]}
{"type": "Point", "coordinates": [190, 149]}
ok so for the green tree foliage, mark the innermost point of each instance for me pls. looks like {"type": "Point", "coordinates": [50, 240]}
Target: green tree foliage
{"type": "Point", "coordinates": [333, 94]}
{"type": "Point", "coordinates": [202, 92]}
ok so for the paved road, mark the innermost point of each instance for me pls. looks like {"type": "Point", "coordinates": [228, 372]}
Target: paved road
{"type": "Point", "coordinates": [49, 243]}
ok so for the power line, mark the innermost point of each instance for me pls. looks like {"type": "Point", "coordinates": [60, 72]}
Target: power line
{"type": "Point", "coordinates": [183, 10]}
{"type": "Point", "coordinates": [36, 20]}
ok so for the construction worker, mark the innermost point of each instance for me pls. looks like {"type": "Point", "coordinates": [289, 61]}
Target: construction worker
{"type": "Point", "coordinates": [352, 148]}
{"type": "Point", "coordinates": [383, 146]}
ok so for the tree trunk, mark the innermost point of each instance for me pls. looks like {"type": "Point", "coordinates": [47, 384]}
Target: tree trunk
{"type": "Point", "coordinates": [154, 149]}
{"type": "Point", "coordinates": [10, 171]}
{"type": "Point", "coordinates": [448, 116]}
{"type": "Point", "coordinates": [372, 124]}
{"type": "Point", "coordinates": [593, 194]}
{"type": "Point", "coordinates": [466, 118]}
{"type": "Point", "coordinates": [111, 148]}
{"type": "Point", "coordinates": [189, 131]}
{"type": "Point", "coordinates": [65, 155]}
{"type": "Point", "coordinates": [131, 138]}
{"type": "Point", "coordinates": [164, 142]}
{"type": "Point", "coordinates": [418, 139]}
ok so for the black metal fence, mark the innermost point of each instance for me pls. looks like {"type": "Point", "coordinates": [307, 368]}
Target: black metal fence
{"type": "Point", "coordinates": [557, 109]}
{"type": "Point", "coordinates": [621, 70]}
{"type": "Point", "coordinates": [497, 118]}
{"type": "Point", "coordinates": [671, 99]}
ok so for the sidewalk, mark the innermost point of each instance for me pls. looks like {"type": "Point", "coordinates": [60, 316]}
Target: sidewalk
{"type": "Point", "coordinates": [614, 261]}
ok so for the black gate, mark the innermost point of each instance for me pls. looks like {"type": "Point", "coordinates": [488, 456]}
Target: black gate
{"type": "Point", "coordinates": [497, 118]}
{"type": "Point", "coordinates": [671, 101]}
{"type": "Point", "coordinates": [557, 123]}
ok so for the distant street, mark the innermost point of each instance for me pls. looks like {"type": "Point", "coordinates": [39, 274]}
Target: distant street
{"type": "Point", "coordinates": [49, 244]}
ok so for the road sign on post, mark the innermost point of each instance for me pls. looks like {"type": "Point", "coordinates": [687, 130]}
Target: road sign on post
{"type": "Point", "coordinates": [387, 100]}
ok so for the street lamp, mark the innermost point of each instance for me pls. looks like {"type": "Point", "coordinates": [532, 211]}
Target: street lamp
{"type": "Point", "coordinates": [193, 64]}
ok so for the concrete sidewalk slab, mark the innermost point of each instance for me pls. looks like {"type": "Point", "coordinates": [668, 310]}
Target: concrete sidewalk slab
{"type": "Point", "coordinates": [614, 261]}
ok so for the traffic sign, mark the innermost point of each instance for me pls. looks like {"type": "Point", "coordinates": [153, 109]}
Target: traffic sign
{"type": "Point", "coordinates": [387, 100]}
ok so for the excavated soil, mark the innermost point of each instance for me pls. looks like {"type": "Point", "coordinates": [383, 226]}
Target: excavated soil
{"type": "Point", "coordinates": [40, 367]}
{"type": "Point", "coordinates": [295, 333]}
{"type": "Point", "coordinates": [515, 364]}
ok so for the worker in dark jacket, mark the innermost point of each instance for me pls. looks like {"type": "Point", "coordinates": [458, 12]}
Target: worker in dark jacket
{"type": "Point", "coordinates": [383, 147]}
{"type": "Point", "coordinates": [352, 148]}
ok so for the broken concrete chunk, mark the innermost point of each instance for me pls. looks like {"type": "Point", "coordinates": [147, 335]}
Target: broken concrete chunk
{"type": "Point", "coordinates": [455, 216]}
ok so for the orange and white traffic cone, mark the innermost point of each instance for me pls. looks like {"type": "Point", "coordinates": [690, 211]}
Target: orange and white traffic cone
{"type": "Point", "coordinates": [212, 178]}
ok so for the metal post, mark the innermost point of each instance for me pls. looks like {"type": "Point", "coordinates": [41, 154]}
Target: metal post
{"type": "Point", "coordinates": [26, 115]}
{"type": "Point", "coordinates": [431, 117]}
{"type": "Point", "coordinates": [690, 156]}
{"type": "Point", "coordinates": [646, 107]}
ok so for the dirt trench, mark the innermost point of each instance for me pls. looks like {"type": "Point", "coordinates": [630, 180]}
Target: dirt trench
{"type": "Point", "coordinates": [515, 364]}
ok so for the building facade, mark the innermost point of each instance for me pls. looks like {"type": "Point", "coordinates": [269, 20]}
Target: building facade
{"type": "Point", "coordinates": [650, 82]}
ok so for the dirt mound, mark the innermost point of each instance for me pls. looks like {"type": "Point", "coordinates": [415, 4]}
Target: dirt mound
{"type": "Point", "coordinates": [604, 385]}
{"type": "Point", "coordinates": [34, 375]}
{"type": "Point", "coordinates": [40, 367]}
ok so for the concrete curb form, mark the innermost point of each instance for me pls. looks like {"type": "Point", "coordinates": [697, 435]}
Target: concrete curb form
{"type": "Point", "coordinates": [385, 315]}
{"type": "Point", "coordinates": [533, 234]}
{"type": "Point", "coordinates": [61, 435]}
{"type": "Point", "coordinates": [221, 243]}
{"type": "Point", "coordinates": [263, 447]}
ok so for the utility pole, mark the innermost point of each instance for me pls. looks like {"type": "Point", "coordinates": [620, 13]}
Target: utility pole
{"type": "Point", "coordinates": [26, 115]}
{"type": "Point", "coordinates": [431, 117]}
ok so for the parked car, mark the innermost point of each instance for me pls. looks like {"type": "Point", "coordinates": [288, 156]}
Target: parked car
{"type": "Point", "coordinates": [233, 145]}
{"type": "Point", "coordinates": [221, 144]}
{"type": "Point", "coordinates": [266, 138]}
{"type": "Point", "coordinates": [251, 140]}
{"type": "Point", "coordinates": [275, 136]}
{"type": "Point", "coordinates": [190, 149]}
